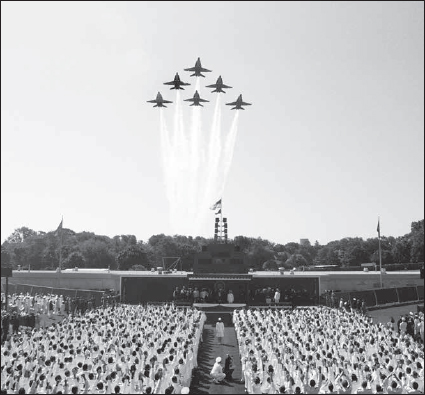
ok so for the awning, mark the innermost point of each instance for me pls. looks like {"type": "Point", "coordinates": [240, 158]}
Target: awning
{"type": "Point", "coordinates": [220, 278]}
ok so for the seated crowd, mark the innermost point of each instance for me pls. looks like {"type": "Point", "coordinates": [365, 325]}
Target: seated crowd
{"type": "Point", "coordinates": [324, 350]}
{"type": "Point", "coordinates": [114, 349]}
{"type": "Point", "coordinates": [26, 309]}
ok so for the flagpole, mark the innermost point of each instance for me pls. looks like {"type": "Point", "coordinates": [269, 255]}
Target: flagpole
{"type": "Point", "coordinates": [380, 255]}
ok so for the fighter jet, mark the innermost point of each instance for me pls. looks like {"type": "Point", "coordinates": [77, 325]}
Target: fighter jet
{"type": "Point", "coordinates": [177, 83]}
{"type": "Point", "coordinates": [159, 101]}
{"type": "Point", "coordinates": [218, 86]}
{"type": "Point", "coordinates": [238, 104]}
{"type": "Point", "coordinates": [197, 100]}
{"type": "Point", "coordinates": [198, 69]}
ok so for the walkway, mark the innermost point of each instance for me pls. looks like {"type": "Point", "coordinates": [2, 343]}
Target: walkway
{"type": "Point", "coordinates": [208, 351]}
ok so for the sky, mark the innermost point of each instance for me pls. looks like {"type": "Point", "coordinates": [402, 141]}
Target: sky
{"type": "Point", "coordinates": [333, 139]}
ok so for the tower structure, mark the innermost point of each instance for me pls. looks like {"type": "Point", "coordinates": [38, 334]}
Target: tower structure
{"type": "Point", "coordinates": [220, 230]}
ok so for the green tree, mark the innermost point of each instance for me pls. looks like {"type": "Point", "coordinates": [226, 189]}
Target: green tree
{"type": "Point", "coordinates": [401, 249]}
{"type": "Point", "coordinates": [98, 252]}
{"type": "Point", "coordinates": [270, 265]}
{"type": "Point", "coordinates": [74, 259]}
{"type": "Point", "coordinates": [187, 254]}
{"type": "Point", "coordinates": [35, 246]}
{"type": "Point", "coordinates": [21, 234]}
{"type": "Point", "coordinates": [353, 251]}
{"type": "Point", "coordinates": [130, 256]}
{"type": "Point", "coordinates": [259, 252]}
{"type": "Point", "coordinates": [50, 257]}
{"type": "Point", "coordinates": [243, 242]}
{"type": "Point", "coordinates": [6, 258]}
{"type": "Point", "coordinates": [129, 240]}
{"type": "Point", "coordinates": [417, 240]}
{"type": "Point", "coordinates": [139, 268]}
{"type": "Point", "coordinates": [328, 255]}
{"type": "Point", "coordinates": [20, 255]}
{"type": "Point", "coordinates": [296, 260]}
{"type": "Point", "coordinates": [292, 247]}
{"type": "Point", "coordinates": [386, 257]}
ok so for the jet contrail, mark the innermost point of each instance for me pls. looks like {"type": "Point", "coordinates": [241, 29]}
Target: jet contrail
{"type": "Point", "coordinates": [179, 167]}
{"type": "Point", "coordinates": [195, 164]}
{"type": "Point", "coordinates": [174, 169]}
{"type": "Point", "coordinates": [194, 160]}
{"type": "Point", "coordinates": [165, 149]}
{"type": "Point", "coordinates": [213, 159]}
{"type": "Point", "coordinates": [164, 145]}
{"type": "Point", "coordinates": [229, 147]}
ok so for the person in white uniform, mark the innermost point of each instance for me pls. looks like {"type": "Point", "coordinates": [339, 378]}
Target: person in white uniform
{"type": "Point", "coordinates": [219, 331]}
{"type": "Point", "coordinates": [217, 371]}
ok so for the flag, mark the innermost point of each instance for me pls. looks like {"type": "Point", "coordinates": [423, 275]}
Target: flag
{"type": "Point", "coordinates": [218, 212]}
{"type": "Point", "coordinates": [378, 229]}
{"type": "Point", "coordinates": [59, 229]}
{"type": "Point", "coordinates": [216, 206]}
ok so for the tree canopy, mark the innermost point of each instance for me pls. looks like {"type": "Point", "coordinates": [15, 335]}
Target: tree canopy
{"type": "Point", "coordinates": [41, 250]}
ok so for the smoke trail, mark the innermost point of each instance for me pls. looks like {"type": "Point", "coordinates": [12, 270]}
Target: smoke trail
{"type": "Point", "coordinates": [212, 159]}
{"type": "Point", "coordinates": [194, 160]}
{"type": "Point", "coordinates": [163, 142]}
{"type": "Point", "coordinates": [165, 154]}
{"type": "Point", "coordinates": [173, 169]}
{"type": "Point", "coordinates": [228, 151]}
{"type": "Point", "coordinates": [179, 168]}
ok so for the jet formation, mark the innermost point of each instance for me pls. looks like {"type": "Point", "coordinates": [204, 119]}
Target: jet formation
{"type": "Point", "coordinates": [159, 101]}
{"type": "Point", "coordinates": [238, 104]}
{"type": "Point", "coordinates": [198, 69]}
{"type": "Point", "coordinates": [177, 83]}
{"type": "Point", "coordinates": [218, 86]}
{"type": "Point", "coordinates": [196, 100]}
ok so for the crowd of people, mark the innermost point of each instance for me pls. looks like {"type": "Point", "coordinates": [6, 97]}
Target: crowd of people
{"type": "Point", "coordinates": [269, 295]}
{"type": "Point", "coordinates": [205, 295]}
{"type": "Point", "coordinates": [261, 295]}
{"type": "Point", "coordinates": [114, 349]}
{"type": "Point", "coordinates": [331, 299]}
{"type": "Point", "coordinates": [411, 324]}
{"type": "Point", "coordinates": [48, 303]}
{"type": "Point", "coordinates": [324, 350]}
{"type": "Point", "coordinates": [26, 310]}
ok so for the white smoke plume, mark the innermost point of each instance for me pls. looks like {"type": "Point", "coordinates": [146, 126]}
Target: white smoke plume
{"type": "Point", "coordinates": [196, 163]}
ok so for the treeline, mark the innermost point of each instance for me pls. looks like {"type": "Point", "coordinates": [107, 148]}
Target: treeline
{"type": "Point", "coordinates": [41, 251]}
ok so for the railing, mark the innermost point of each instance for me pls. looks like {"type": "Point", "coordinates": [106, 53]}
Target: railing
{"type": "Point", "coordinates": [382, 296]}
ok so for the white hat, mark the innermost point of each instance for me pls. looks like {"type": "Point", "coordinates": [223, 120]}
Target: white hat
{"type": "Point", "coordinates": [218, 359]}
{"type": "Point", "coordinates": [219, 318]}
{"type": "Point", "coordinates": [184, 390]}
